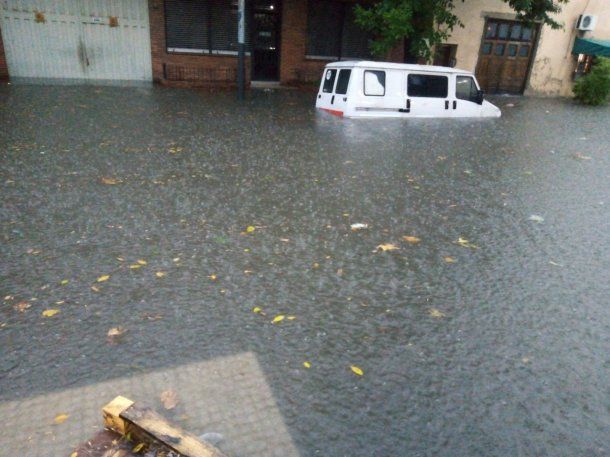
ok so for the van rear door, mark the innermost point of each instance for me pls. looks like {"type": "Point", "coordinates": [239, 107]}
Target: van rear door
{"type": "Point", "coordinates": [326, 97]}
{"type": "Point", "coordinates": [428, 95]}
{"type": "Point", "coordinates": [339, 103]}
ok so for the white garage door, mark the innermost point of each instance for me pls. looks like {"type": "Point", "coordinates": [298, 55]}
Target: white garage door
{"type": "Point", "coordinates": [77, 40]}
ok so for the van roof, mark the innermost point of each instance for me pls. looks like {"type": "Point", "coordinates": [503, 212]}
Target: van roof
{"type": "Point", "coordinates": [395, 66]}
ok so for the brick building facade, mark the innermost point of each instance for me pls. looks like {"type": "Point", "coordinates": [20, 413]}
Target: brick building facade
{"type": "Point", "coordinates": [175, 66]}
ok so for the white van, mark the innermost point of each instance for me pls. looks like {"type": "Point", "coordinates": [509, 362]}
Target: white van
{"type": "Point", "coordinates": [382, 89]}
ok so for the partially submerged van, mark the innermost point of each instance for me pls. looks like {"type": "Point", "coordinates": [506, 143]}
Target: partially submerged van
{"type": "Point", "coordinates": [382, 89]}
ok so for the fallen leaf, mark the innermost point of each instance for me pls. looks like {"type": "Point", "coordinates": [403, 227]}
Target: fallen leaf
{"type": "Point", "coordinates": [411, 239]}
{"type": "Point", "coordinates": [60, 418]}
{"type": "Point", "coordinates": [386, 247]}
{"type": "Point", "coordinates": [250, 229]}
{"type": "Point", "coordinates": [103, 278]}
{"type": "Point", "coordinates": [138, 447]}
{"type": "Point", "coordinates": [579, 156]}
{"type": "Point", "coordinates": [116, 331]}
{"type": "Point", "coordinates": [169, 398]}
{"type": "Point", "coordinates": [142, 262]}
{"type": "Point", "coordinates": [555, 264]}
{"type": "Point", "coordinates": [536, 218]}
{"type": "Point", "coordinates": [436, 313]}
{"type": "Point", "coordinates": [109, 181]}
{"type": "Point", "coordinates": [212, 277]}
{"type": "Point", "coordinates": [357, 370]}
{"type": "Point", "coordinates": [21, 306]}
{"type": "Point", "coordinates": [50, 312]}
{"type": "Point", "coordinates": [278, 318]}
{"type": "Point", "coordinates": [256, 309]}
{"type": "Point", "coordinates": [449, 259]}
{"type": "Point", "coordinates": [359, 226]}
{"type": "Point", "coordinates": [64, 282]}
{"type": "Point", "coordinates": [291, 318]}
{"type": "Point", "coordinates": [95, 289]}
{"type": "Point", "coordinates": [465, 243]}
{"type": "Point", "coordinates": [74, 454]}
{"type": "Point", "coordinates": [160, 274]}
{"type": "Point", "coordinates": [307, 364]}
{"type": "Point", "coordinates": [135, 266]}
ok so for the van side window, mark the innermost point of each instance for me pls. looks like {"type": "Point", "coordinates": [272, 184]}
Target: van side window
{"type": "Point", "coordinates": [465, 88]}
{"type": "Point", "coordinates": [427, 86]}
{"type": "Point", "coordinates": [329, 80]}
{"type": "Point", "coordinates": [342, 82]}
{"type": "Point", "coordinates": [374, 83]}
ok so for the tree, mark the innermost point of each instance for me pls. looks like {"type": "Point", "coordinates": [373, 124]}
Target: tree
{"type": "Point", "coordinates": [425, 23]}
{"type": "Point", "coordinates": [594, 88]}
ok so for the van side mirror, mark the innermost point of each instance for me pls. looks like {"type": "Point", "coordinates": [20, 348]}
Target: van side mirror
{"type": "Point", "coordinates": [479, 97]}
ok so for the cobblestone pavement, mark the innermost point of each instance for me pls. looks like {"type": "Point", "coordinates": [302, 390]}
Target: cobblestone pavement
{"type": "Point", "coordinates": [228, 395]}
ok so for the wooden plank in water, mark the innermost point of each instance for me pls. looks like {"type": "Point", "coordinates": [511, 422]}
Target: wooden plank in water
{"type": "Point", "coordinates": [145, 425]}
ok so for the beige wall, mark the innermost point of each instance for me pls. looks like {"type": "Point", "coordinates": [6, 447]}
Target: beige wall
{"type": "Point", "coordinates": [551, 73]}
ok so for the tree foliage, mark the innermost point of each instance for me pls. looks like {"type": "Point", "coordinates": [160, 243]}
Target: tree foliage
{"type": "Point", "coordinates": [425, 23]}
{"type": "Point", "coordinates": [594, 88]}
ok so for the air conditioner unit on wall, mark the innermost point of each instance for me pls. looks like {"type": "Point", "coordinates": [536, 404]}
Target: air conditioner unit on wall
{"type": "Point", "coordinates": [586, 22]}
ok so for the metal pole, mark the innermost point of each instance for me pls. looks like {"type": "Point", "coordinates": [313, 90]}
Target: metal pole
{"type": "Point", "coordinates": [241, 15]}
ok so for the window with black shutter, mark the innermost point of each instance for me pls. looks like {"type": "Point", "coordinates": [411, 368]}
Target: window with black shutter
{"type": "Point", "coordinates": [332, 33]}
{"type": "Point", "coordinates": [202, 27]}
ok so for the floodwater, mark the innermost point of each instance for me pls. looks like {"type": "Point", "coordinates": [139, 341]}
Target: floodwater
{"type": "Point", "coordinates": [498, 346]}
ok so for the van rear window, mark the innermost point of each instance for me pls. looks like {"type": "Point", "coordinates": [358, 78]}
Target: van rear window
{"type": "Point", "coordinates": [329, 81]}
{"type": "Point", "coordinates": [343, 81]}
{"type": "Point", "coordinates": [427, 86]}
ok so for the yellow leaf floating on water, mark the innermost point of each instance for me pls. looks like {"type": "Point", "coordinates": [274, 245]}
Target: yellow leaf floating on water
{"type": "Point", "coordinates": [60, 418]}
{"type": "Point", "coordinates": [357, 370]}
{"type": "Point", "coordinates": [160, 274]}
{"type": "Point", "coordinates": [250, 229]}
{"type": "Point", "coordinates": [50, 312]}
{"type": "Point", "coordinates": [449, 259]}
{"type": "Point", "coordinates": [64, 282]}
{"type": "Point", "coordinates": [116, 331]}
{"type": "Point", "coordinates": [307, 364]}
{"type": "Point", "coordinates": [103, 278]}
{"type": "Point", "coordinates": [142, 262]}
{"type": "Point", "coordinates": [138, 447]}
{"type": "Point", "coordinates": [411, 239]}
{"type": "Point", "coordinates": [387, 247]}
{"type": "Point", "coordinates": [467, 244]}
{"type": "Point", "coordinates": [278, 318]}
{"type": "Point", "coordinates": [256, 309]}
{"type": "Point", "coordinates": [436, 313]}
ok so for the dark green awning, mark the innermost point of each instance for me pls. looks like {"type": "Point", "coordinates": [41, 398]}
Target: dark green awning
{"type": "Point", "coordinates": [591, 47]}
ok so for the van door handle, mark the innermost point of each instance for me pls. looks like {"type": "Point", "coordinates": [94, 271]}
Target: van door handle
{"type": "Point", "coordinates": [408, 105]}
{"type": "Point", "coordinates": [446, 104]}
{"type": "Point", "coordinates": [454, 104]}
{"type": "Point", "coordinates": [332, 100]}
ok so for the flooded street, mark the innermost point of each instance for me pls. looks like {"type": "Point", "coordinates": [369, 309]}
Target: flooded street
{"type": "Point", "coordinates": [485, 332]}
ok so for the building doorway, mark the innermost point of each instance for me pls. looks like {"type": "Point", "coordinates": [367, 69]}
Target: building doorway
{"type": "Point", "coordinates": [266, 40]}
{"type": "Point", "coordinates": [505, 57]}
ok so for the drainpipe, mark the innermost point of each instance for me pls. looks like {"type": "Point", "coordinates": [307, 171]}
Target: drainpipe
{"type": "Point", "coordinates": [240, 48]}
